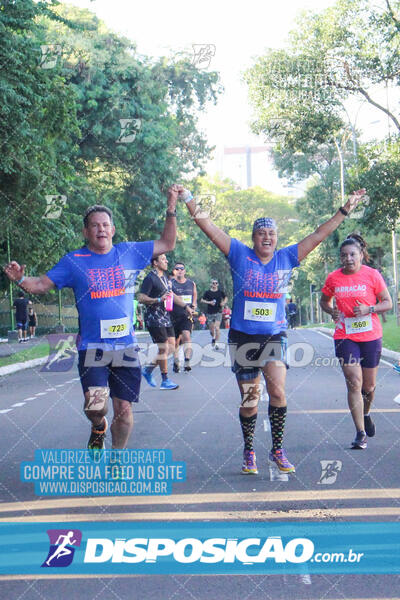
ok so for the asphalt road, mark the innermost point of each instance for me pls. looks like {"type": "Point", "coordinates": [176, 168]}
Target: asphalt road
{"type": "Point", "coordinates": [199, 424]}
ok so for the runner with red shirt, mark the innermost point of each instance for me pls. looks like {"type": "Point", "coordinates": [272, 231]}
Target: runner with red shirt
{"type": "Point", "coordinates": [360, 294]}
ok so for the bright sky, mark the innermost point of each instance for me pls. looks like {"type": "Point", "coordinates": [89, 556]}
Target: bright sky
{"type": "Point", "coordinates": [239, 33]}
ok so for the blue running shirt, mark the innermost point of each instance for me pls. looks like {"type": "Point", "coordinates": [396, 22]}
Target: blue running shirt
{"type": "Point", "coordinates": [259, 290]}
{"type": "Point", "coordinates": [104, 286]}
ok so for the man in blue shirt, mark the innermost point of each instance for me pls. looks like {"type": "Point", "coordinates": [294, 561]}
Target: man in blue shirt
{"type": "Point", "coordinates": [258, 327]}
{"type": "Point", "coordinates": [103, 278]}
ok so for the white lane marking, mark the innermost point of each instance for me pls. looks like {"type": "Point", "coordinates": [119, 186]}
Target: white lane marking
{"type": "Point", "coordinates": [267, 425]}
{"type": "Point", "coordinates": [305, 579]}
{"type": "Point", "coordinates": [17, 404]}
{"type": "Point", "coordinates": [323, 334]}
{"type": "Point", "coordinates": [5, 410]}
{"type": "Point", "coordinates": [60, 385]}
{"type": "Point", "coordinates": [386, 362]}
{"type": "Point", "coordinates": [30, 398]}
{"type": "Point", "coordinates": [276, 475]}
{"type": "Point", "coordinates": [397, 399]}
{"type": "Point", "coordinates": [50, 389]}
{"type": "Point", "coordinates": [40, 394]}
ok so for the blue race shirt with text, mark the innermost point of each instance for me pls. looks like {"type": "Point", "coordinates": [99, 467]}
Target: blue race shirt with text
{"type": "Point", "coordinates": [259, 290]}
{"type": "Point", "coordinates": [104, 287]}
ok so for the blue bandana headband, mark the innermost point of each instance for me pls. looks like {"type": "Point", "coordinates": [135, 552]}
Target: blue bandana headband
{"type": "Point", "coordinates": [264, 222]}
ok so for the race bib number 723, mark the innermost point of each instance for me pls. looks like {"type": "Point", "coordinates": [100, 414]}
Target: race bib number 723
{"type": "Point", "coordinates": [114, 328]}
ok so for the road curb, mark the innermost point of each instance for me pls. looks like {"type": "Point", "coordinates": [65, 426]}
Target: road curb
{"type": "Point", "coordinates": [385, 351]}
{"type": "Point", "coordinates": [37, 362]}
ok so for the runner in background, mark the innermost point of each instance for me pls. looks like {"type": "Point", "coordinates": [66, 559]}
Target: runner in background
{"type": "Point", "coordinates": [154, 292]}
{"type": "Point", "coordinates": [292, 313]}
{"type": "Point", "coordinates": [226, 317]}
{"type": "Point", "coordinates": [215, 300]}
{"type": "Point", "coordinates": [261, 276]}
{"type": "Point", "coordinates": [182, 323]}
{"type": "Point", "coordinates": [202, 319]}
{"type": "Point", "coordinates": [32, 322]}
{"type": "Point", "coordinates": [360, 294]}
{"type": "Point", "coordinates": [21, 315]}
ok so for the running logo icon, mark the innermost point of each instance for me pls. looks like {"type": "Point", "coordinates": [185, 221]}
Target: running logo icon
{"type": "Point", "coordinates": [62, 547]}
{"type": "Point", "coordinates": [62, 352]}
{"type": "Point", "coordinates": [330, 469]}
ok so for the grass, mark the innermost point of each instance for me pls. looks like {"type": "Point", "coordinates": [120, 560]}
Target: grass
{"type": "Point", "coordinates": [391, 332]}
{"type": "Point", "coordinates": [37, 351]}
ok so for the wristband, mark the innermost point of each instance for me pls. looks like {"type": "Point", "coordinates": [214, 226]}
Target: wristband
{"type": "Point", "coordinates": [371, 309]}
{"type": "Point", "coordinates": [159, 300]}
{"type": "Point", "coordinates": [343, 211]}
{"type": "Point", "coordinates": [21, 280]}
{"type": "Point", "coordinates": [186, 196]}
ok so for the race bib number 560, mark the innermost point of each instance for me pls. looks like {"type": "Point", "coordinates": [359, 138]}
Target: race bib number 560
{"type": "Point", "coordinates": [114, 328]}
{"type": "Point", "coordinates": [259, 311]}
{"type": "Point", "coordinates": [358, 324]}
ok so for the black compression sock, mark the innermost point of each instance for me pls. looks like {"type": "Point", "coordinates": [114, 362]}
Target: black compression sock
{"type": "Point", "coordinates": [277, 417]}
{"type": "Point", "coordinates": [248, 425]}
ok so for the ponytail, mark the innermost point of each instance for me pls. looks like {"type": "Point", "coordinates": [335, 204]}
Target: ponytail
{"type": "Point", "coordinates": [357, 240]}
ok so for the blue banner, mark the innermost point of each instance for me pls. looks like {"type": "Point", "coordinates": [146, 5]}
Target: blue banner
{"type": "Point", "coordinates": [74, 472]}
{"type": "Point", "coordinates": [199, 548]}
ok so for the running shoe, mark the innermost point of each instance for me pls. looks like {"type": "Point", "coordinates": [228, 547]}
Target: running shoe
{"type": "Point", "coordinates": [360, 443]}
{"type": "Point", "coordinates": [97, 438]}
{"type": "Point", "coordinates": [148, 375]}
{"type": "Point", "coordinates": [167, 384]}
{"type": "Point", "coordinates": [280, 459]}
{"type": "Point", "coordinates": [249, 466]}
{"type": "Point", "coordinates": [397, 368]}
{"type": "Point", "coordinates": [369, 426]}
{"type": "Point", "coordinates": [187, 368]}
{"type": "Point", "coordinates": [176, 367]}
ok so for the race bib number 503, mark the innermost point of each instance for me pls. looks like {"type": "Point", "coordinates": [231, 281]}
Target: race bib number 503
{"type": "Point", "coordinates": [259, 311]}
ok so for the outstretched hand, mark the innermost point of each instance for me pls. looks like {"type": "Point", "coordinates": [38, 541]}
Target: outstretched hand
{"type": "Point", "coordinates": [355, 198]}
{"type": "Point", "coordinates": [172, 195]}
{"type": "Point", "coordinates": [14, 271]}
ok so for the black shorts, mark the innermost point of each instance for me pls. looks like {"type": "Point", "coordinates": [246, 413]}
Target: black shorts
{"type": "Point", "coordinates": [182, 323]}
{"type": "Point", "coordinates": [247, 362]}
{"type": "Point", "coordinates": [123, 381]}
{"type": "Point", "coordinates": [159, 335]}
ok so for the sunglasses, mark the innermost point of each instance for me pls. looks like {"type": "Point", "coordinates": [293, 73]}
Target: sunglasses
{"type": "Point", "coordinates": [179, 268]}
{"type": "Point", "coordinates": [214, 283]}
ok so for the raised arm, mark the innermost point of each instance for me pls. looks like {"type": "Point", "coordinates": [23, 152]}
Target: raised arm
{"type": "Point", "coordinates": [323, 231]}
{"type": "Point", "coordinates": [32, 285]}
{"type": "Point", "coordinates": [202, 219]}
{"type": "Point", "coordinates": [166, 243]}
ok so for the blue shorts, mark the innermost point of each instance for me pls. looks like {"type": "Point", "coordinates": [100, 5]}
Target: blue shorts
{"type": "Point", "coordinates": [366, 354]}
{"type": "Point", "coordinates": [123, 381]}
{"type": "Point", "coordinates": [249, 353]}
{"type": "Point", "coordinates": [21, 325]}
